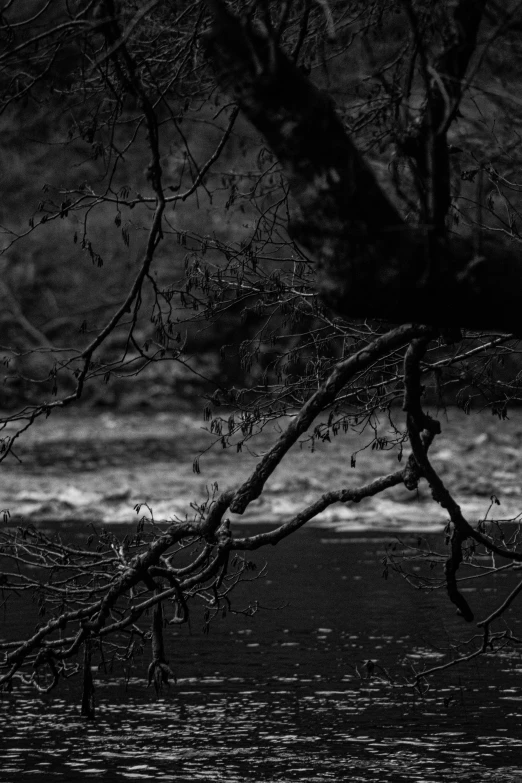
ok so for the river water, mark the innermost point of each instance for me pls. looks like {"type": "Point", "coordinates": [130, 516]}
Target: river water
{"type": "Point", "coordinates": [286, 694]}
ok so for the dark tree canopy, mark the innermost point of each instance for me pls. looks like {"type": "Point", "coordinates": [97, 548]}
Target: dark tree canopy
{"type": "Point", "coordinates": [371, 262]}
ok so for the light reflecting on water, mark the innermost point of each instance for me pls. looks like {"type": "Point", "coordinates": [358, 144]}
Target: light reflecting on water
{"type": "Point", "coordinates": [224, 731]}
{"type": "Point", "coordinates": [284, 695]}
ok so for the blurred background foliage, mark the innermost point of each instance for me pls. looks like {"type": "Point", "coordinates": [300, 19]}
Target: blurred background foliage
{"type": "Point", "coordinates": [229, 311]}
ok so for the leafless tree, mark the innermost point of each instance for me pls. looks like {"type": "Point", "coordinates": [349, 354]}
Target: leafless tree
{"type": "Point", "coordinates": [373, 242]}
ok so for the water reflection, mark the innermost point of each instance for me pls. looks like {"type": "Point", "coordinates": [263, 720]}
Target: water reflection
{"type": "Point", "coordinates": [286, 696]}
{"type": "Point", "coordinates": [236, 734]}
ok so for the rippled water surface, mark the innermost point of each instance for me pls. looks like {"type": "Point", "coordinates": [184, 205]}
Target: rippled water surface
{"type": "Point", "coordinates": [293, 733]}
{"type": "Point", "coordinates": [285, 695]}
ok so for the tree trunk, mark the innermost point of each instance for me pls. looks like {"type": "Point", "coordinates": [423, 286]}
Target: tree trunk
{"type": "Point", "coordinates": [370, 262]}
